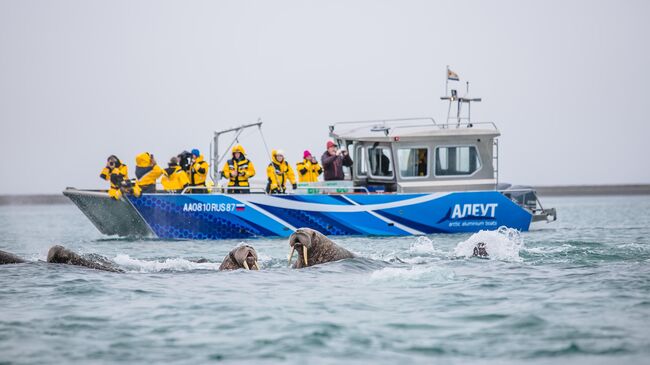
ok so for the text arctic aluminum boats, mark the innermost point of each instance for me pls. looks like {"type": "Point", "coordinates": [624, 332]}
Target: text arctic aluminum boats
{"type": "Point", "coordinates": [410, 177]}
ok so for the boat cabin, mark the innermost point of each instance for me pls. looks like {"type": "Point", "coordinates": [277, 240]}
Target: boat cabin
{"type": "Point", "coordinates": [419, 155]}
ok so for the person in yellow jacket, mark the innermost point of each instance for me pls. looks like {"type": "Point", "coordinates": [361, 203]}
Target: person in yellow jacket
{"type": "Point", "coordinates": [308, 169]}
{"type": "Point", "coordinates": [238, 170]}
{"type": "Point", "coordinates": [147, 172]}
{"type": "Point", "coordinates": [114, 172]}
{"type": "Point", "coordinates": [278, 172]}
{"type": "Point", "coordinates": [198, 172]}
{"type": "Point", "coordinates": [174, 179]}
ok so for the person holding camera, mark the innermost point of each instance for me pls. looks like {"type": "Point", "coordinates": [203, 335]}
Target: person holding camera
{"type": "Point", "coordinates": [333, 161]}
{"type": "Point", "coordinates": [278, 172]}
{"type": "Point", "coordinates": [115, 172]}
{"type": "Point", "coordinates": [198, 172]}
{"type": "Point", "coordinates": [147, 172]}
{"type": "Point", "coordinates": [308, 169]}
{"type": "Point", "coordinates": [174, 178]}
{"type": "Point", "coordinates": [238, 170]}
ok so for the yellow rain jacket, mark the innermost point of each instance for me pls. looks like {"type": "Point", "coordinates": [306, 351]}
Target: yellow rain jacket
{"type": "Point", "coordinates": [174, 179]}
{"type": "Point", "coordinates": [199, 172]}
{"type": "Point", "coordinates": [115, 176]}
{"type": "Point", "coordinates": [308, 171]}
{"type": "Point", "coordinates": [146, 174]}
{"type": "Point", "coordinates": [278, 173]}
{"type": "Point", "coordinates": [244, 167]}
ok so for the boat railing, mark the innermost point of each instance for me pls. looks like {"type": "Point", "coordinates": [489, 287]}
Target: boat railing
{"type": "Point", "coordinates": [337, 189]}
{"type": "Point", "coordinates": [260, 190]}
{"type": "Point", "coordinates": [222, 189]}
{"type": "Point", "coordinates": [389, 125]}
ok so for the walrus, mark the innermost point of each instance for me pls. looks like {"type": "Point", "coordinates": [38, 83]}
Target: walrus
{"type": "Point", "coordinates": [480, 251]}
{"type": "Point", "coordinates": [9, 258]}
{"type": "Point", "coordinates": [240, 257]}
{"type": "Point", "coordinates": [314, 248]}
{"type": "Point", "coordinates": [60, 255]}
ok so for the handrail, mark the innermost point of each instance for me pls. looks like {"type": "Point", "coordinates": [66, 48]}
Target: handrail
{"type": "Point", "coordinates": [362, 188]}
{"type": "Point", "coordinates": [220, 189]}
{"type": "Point", "coordinates": [388, 125]}
{"type": "Point", "coordinates": [398, 120]}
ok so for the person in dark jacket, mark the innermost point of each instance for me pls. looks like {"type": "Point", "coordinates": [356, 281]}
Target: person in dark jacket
{"type": "Point", "coordinates": [333, 161]}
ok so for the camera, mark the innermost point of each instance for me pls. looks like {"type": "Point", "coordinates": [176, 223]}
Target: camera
{"type": "Point", "coordinates": [185, 160]}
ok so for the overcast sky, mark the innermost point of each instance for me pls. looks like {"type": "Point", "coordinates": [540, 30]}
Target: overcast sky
{"type": "Point", "coordinates": [565, 81]}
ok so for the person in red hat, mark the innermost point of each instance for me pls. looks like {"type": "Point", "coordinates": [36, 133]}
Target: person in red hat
{"type": "Point", "coordinates": [333, 161]}
{"type": "Point", "coordinates": [308, 169]}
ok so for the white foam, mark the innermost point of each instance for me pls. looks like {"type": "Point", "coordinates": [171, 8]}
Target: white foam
{"type": "Point", "coordinates": [502, 244]}
{"type": "Point", "coordinates": [549, 250]}
{"type": "Point", "coordinates": [409, 273]}
{"type": "Point", "coordinates": [422, 245]}
{"type": "Point", "coordinates": [178, 264]}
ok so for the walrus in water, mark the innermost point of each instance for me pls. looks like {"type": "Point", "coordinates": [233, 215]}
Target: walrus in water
{"type": "Point", "coordinates": [60, 255]}
{"type": "Point", "coordinates": [240, 257]}
{"type": "Point", "coordinates": [314, 248]}
{"type": "Point", "coordinates": [480, 251]}
{"type": "Point", "coordinates": [9, 258]}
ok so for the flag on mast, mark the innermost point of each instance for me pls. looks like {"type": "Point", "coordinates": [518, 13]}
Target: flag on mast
{"type": "Point", "coordinates": [451, 75]}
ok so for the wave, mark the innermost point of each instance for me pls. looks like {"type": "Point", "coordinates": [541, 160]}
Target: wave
{"type": "Point", "coordinates": [502, 244]}
{"type": "Point", "coordinates": [411, 273]}
{"type": "Point", "coordinates": [128, 263]}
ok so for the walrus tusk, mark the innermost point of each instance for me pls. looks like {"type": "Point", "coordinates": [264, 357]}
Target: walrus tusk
{"type": "Point", "coordinates": [304, 254]}
{"type": "Point", "coordinates": [290, 254]}
{"type": "Point", "coordinates": [257, 267]}
{"type": "Point", "coordinates": [246, 265]}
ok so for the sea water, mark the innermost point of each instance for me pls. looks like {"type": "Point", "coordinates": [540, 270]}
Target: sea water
{"type": "Point", "coordinates": [573, 291]}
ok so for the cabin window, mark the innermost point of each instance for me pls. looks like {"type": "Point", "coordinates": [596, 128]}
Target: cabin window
{"type": "Point", "coordinates": [361, 161]}
{"type": "Point", "coordinates": [381, 164]}
{"type": "Point", "coordinates": [413, 162]}
{"type": "Point", "coordinates": [457, 160]}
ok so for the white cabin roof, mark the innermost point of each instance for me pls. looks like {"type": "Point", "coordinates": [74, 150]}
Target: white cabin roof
{"type": "Point", "coordinates": [412, 129]}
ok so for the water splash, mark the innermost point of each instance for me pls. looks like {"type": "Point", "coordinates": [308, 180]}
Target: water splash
{"type": "Point", "coordinates": [502, 244]}
{"type": "Point", "coordinates": [172, 264]}
{"type": "Point", "coordinates": [422, 245]}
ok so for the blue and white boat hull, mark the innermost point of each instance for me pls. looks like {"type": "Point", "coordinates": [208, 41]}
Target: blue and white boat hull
{"type": "Point", "coordinates": [219, 216]}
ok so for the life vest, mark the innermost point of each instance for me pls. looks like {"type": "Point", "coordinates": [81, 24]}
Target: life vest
{"type": "Point", "coordinates": [308, 171]}
{"type": "Point", "coordinates": [245, 170]}
{"type": "Point", "coordinates": [278, 173]}
{"type": "Point", "coordinates": [199, 172]}
{"type": "Point", "coordinates": [174, 179]}
{"type": "Point", "coordinates": [115, 175]}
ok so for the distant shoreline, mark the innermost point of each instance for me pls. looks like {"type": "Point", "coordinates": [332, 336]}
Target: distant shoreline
{"type": "Point", "coordinates": [586, 190]}
{"type": "Point", "coordinates": [542, 191]}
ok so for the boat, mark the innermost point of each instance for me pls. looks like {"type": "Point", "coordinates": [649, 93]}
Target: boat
{"type": "Point", "coordinates": [411, 176]}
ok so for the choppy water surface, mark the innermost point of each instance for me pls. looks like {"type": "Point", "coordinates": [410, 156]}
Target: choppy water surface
{"type": "Point", "coordinates": [576, 291]}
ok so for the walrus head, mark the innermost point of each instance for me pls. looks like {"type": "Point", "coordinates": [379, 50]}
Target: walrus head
{"type": "Point", "coordinates": [58, 254]}
{"type": "Point", "coordinates": [302, 240]}
{"type": "Point", "coordinates": [314, 248]}
{"type": "Point", "coordinates": [245, 256]}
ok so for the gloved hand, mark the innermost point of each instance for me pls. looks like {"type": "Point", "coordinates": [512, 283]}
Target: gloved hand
{"type": "Point", "coordinates": [294, 186]}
